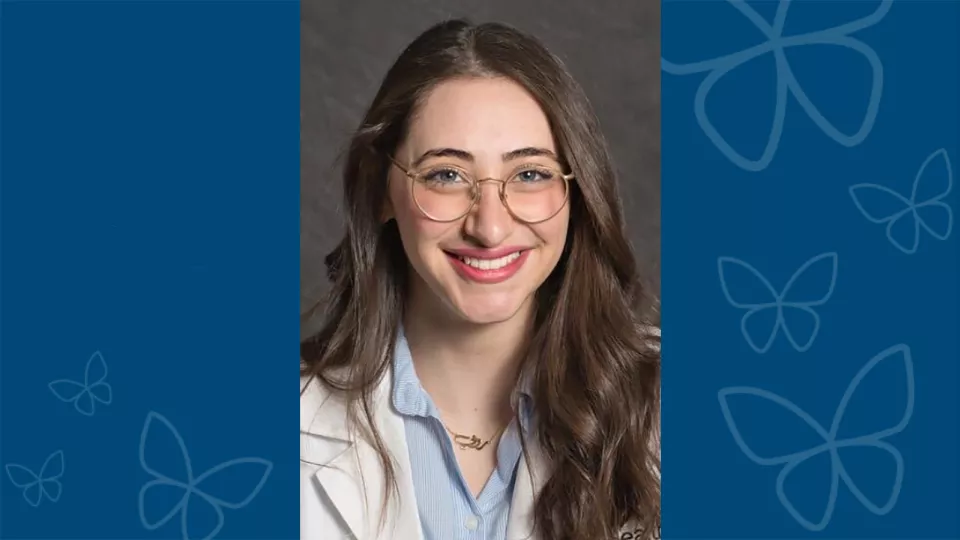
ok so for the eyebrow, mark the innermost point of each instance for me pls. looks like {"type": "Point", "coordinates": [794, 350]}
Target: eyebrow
{"type": "Point", "coordinates": [530, 151]}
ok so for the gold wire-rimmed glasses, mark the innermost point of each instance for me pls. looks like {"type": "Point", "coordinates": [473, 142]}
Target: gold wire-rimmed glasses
{"type": "Point", "coordinates": [532, 193]}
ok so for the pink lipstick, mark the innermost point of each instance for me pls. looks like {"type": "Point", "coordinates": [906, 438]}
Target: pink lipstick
{"type": "Point", "coordinates": [488, 266]}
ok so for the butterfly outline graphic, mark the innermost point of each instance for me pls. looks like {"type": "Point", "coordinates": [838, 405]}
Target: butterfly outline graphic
{"type": "Point", "coordinates": [779, 302]}
{"type": "Point", "coordinates": [830, 443]}
{"type": "Point", "coordinates": [191, 486]}
{"type": "Point", "coordinates": [37, 486]}
{"type": "Point", "coordinates": [93, 389]}
{"type": "Point", "coordinates": [910, 208]}
{"type": "Point", "coordinates": [787, 83]}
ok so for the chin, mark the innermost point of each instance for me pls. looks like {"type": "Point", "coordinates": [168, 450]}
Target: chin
{"type": "Point", "coordinates": [490, 312]}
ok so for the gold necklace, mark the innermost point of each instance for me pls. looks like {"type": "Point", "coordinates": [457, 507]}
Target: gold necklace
{"type": "Point", "coordinates": [472, 441]}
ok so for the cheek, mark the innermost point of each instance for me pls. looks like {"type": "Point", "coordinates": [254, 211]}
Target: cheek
{"type": "Point", "coordinates": [553, 237]}
{"type": "Point", "coordinates": [405, 212]}
{"type": "Point", "coordinates": [554, 232]}
{"type": "Point", "coordinates": [418, 234]}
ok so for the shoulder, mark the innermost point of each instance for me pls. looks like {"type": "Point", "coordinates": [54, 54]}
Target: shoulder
{"type": "Point", "coordinates": [323, 423]}
{"type": "Point", "coordinates": [312, 396]}
{"type": "Point", "coordinates": [320, 407]}
{"type": "Point", "coordinates": [314, 392]}
{"type": "Point", "coordinates": [311, 389]}
{"type": "Point", "coordinates": [325, 411]}
{"type": "Point", "coordinates": [309, 384]}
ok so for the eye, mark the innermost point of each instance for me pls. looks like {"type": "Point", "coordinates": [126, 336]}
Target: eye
{"type": "Point", "coordinates": [534, 175]}
{"type": "Point", "coordinates": [445, 175]}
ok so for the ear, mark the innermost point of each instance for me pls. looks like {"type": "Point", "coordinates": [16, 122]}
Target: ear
{"type": "Point", "coordinates": [386, 214]}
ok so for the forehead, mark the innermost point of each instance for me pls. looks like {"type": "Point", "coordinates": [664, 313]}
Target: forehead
{"type": "Point", "coordinates": [484, 116]}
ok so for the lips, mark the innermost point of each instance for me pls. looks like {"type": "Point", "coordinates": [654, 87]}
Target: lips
{"type": "Point", "coordinates": [489, 264]}
{"type": "Point", "coordinates": [488, 267]}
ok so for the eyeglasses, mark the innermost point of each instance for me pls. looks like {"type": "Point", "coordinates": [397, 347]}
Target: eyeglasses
{"type": "Point", "coordinates": [532, 193]}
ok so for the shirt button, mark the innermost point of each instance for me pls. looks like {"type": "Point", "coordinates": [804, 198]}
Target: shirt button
{"type": "Point", "coordinates": [472, 523]}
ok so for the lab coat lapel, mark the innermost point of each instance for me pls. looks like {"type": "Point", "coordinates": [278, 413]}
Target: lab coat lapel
{"type": "Point", "coordinates": [529, 481]}
{"type": "Point", "coordinates": [349, 470]}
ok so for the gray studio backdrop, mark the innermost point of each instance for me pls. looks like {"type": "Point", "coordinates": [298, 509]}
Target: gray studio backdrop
{"type": "Point", "coordinates": [346, 47]}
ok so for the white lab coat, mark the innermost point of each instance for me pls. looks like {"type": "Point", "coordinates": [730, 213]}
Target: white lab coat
{"type": "Point", "coordinates": [335, 505]}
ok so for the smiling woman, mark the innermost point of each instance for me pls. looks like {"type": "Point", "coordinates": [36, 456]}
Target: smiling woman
{"type": "Point", "coordinates": [479, 248]}
{"type": "Point", "coordinates": [484, 369]}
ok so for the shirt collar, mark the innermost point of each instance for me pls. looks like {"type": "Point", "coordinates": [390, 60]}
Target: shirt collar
{"type": "Point", "coordinates": [410, 398]}
{"type": "Point", "coordinates": [522, 400]}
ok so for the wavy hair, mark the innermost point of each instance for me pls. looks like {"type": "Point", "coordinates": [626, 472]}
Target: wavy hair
{"type": "Point", "coordinates": [592, 361]}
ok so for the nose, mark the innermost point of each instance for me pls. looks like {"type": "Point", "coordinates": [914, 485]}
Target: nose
{"type": "Point", "coordinates": [490, 223]}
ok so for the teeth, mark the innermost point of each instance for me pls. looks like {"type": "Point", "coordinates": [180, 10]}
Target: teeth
{"type": "Point", "coordinates": [491, 264]}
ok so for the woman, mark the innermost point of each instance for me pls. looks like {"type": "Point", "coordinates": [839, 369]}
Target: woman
{"type": "Point", "coordinates": [483, 370]}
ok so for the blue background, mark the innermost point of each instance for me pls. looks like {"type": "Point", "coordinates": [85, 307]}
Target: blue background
{"type": "Point", "coordinates": [149, 179]}
{"type": "Point", "coordinates": [150, 211]}
{"type": "Point", "coordinates": [777, 218]}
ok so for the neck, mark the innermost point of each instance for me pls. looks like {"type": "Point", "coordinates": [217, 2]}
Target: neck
{"type": "Point", "coordinates": [469, 370]}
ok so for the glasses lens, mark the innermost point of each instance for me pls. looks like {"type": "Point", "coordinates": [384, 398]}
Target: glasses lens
{"type": "Point", "coordinates": [443, 193]}
{"type": "Point", "coordinates": [446, 193]}
{"type": "Point", "coordinates": [536, 194]}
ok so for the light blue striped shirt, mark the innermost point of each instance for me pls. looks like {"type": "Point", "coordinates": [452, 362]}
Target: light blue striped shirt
{"type": "Point", "coordinates": [448, 510]}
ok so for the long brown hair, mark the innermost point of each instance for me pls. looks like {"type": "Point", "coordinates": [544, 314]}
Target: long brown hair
{"type": "Point", "coordinates": [593, 363]}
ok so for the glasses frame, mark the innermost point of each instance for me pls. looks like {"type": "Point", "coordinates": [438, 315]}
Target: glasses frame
{"type": "Point", "coordinates": [414, 177]}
